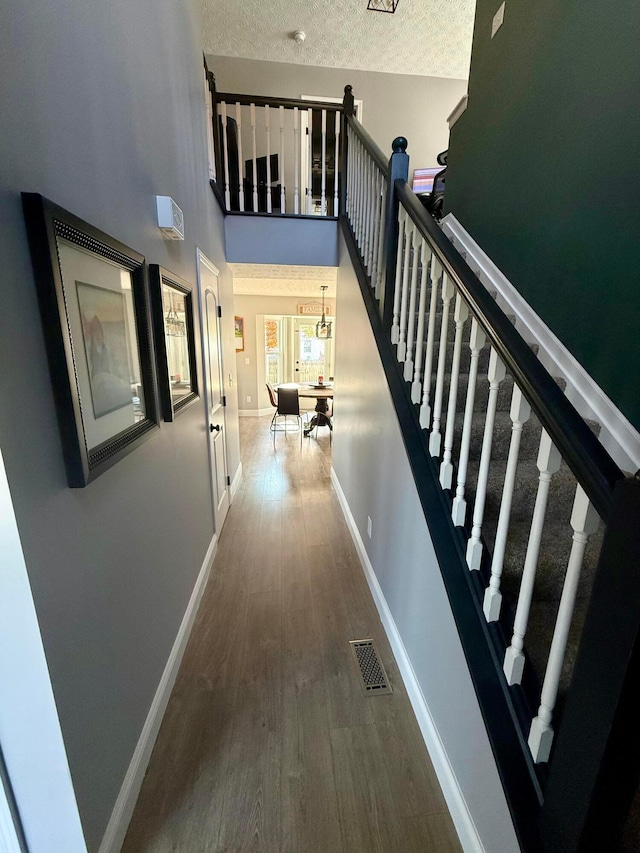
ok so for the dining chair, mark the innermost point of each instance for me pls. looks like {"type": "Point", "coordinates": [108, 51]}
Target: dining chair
{"type": "Point", "coordinates": [287, 402]}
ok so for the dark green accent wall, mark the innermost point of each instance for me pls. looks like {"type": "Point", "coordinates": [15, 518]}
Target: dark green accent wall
{"type": "Point", "coordinates": [545, 173]}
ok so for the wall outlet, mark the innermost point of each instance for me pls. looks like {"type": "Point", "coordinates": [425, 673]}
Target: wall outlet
{"type": "Point", "coordinates": [498, 18]}
{"type": "Point", "coordinates": [369, 527]}
{"type": "Point", "coordinates": [246, 361]}
{"type": "Point", "coordinates": [248, 399]}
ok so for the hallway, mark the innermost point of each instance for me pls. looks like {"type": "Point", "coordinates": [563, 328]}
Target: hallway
{"type": "Point", "coordinates": [269, 742]}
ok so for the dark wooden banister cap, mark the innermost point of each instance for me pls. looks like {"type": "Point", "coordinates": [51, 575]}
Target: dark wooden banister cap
{"type": "Point", "coordinates": [399, 145]}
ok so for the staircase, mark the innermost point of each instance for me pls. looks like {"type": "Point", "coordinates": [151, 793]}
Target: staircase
{"type": "Point", "coordinates": [528, 514]}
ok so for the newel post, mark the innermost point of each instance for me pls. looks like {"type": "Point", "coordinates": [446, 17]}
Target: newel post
{"type": "Point", "coordinates": [398, 171]}
{"type": "Point", "coordinates": [347, 110]}
{"type": "Point", "coordinates": [594, 765]}
{"type": "Point", "coordinates": [217, 146]}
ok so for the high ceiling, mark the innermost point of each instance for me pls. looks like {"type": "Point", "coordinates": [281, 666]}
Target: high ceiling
{"type": "Point", "coordinates": [423, 37]}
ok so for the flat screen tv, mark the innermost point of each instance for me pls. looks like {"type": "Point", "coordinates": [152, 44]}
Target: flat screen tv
{"type": "Point", "coordinates": [423, 179]}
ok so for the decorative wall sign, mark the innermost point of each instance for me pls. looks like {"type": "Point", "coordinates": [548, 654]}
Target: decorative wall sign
{"type": "Point", "coordinates": [239, 333]}
{"type": "Point", "coordinates": [314, 309]}
{"type": "Point", "coordinates": [95, 316]}
{"type": "Point", "coordinates": [172, 312]}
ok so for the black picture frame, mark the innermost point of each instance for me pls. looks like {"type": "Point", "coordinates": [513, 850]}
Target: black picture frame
{"type": "Point", "coordinates": [99, 423]}
{"type": "Point", "coordinates": [171, 404]}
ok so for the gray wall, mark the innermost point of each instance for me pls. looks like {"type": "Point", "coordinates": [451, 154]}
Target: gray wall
{"type": "Point", "coordinates": [102, 108]}
{"type": "Point", "coordinates": [370, 462]}
{"type": "Point", "coordinates": [393, 104]}
{"type": "Point", "coordinates": [543, 172]}
{"type": "Point", "coordinates": [271, 240]}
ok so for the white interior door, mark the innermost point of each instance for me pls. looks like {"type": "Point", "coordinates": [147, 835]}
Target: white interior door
{"type": "Point", "coordinates": [214, 388]}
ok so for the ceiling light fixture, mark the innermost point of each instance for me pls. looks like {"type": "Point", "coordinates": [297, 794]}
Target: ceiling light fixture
{"type": "Point", "coordinates": [382, 6]}
{"type": "Point", "coordinates": [323, 328]}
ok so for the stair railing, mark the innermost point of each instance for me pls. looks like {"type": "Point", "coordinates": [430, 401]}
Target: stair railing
{"type": "Point", "coordinates": [276, 155]}
{"type": "Point", "coordinates": [429, 312]}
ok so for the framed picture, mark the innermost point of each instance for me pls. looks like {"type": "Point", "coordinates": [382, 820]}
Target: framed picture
{"type": "Point", "coordinates": [239, 330]}
{"type": "Point", "coordinates": [172, 313]}
{"type": "Point", "coordinates": [94, 306]}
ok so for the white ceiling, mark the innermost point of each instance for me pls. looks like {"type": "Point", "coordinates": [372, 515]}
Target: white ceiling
{"type": "Point", "coordinates": [281, 280]}
{"type": "Point", "coordinates": [423, 37]}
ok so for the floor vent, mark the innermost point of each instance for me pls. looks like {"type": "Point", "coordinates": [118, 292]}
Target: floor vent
{"type": "Point", "coordinates": [374, 678]}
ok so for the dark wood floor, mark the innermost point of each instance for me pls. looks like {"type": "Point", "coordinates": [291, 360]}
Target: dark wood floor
{"type": "Point", "coordinates": [269, 743]}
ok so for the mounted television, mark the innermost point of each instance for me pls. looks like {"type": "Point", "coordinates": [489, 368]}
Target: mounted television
{"type": "Point", "coordinates": [423, 179]}
{"type": "Point", "coordinates": [261, 170]}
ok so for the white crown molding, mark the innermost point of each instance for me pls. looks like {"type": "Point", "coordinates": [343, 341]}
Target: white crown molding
{"type": "Point", "coordinates": [617, 435]}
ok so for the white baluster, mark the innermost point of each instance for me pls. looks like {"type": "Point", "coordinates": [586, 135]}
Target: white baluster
{"type": "Point", "coordinates": [416, 386]}
{"type": "Point", "coordinates": [418, 243]}
{"type": "Point", "coordinates": [435, 439]}
{"type": "Point", "coordinates": [310, 175]}
{"type": "Point", "coordinates": [368, 202]}
{"type": "Point", "coordinates": [225, 154]}
{"type": "Point", "coordinates": [584, 520]}
{"type": "Point", "coordinates": [356, 189]}
{"type": "Point", "coordinates": [240, 160]}
{"type": "Point", "coordinates": [520, 412]}
{"type": "Point", "coordinates": [375, 227]}
{"type": "Point", "coordinates": [350, 171]}
{"type": "Point", "coordinates": [496, 374]}
{"type": "Point", "coordinates": [296, 161]}
{"type": "Point", "coordinates": [252, 116]}
{"type": "Point", "coordinates": [409, 231]}
{"type": "Point", "coordinates": [267, 125]}
{"type": "Point", "coordinates": [360, 197]}
{"type": "Point", "coordinates": [323, 186]}
{"type": "Point", "coordinates": [425, 408]}
{"type": "Point", "coordinates": [395, 328]}
{"type": "Point", "coordinates": [460, 314]}
{"type": "Point", "coordinates": [477, 341]}
{"type": "Point", "coordinates": [548, 465]}
{"type": "Point", "coordinates": [380, 234]}
{"type": "Point", "coordinates": [336, 162]}
{"type": "Point", "coordinates": [283, 202]}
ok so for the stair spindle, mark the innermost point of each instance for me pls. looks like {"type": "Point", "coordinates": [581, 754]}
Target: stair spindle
{"type": "Point", "coordinates": [520, 412]}
{"type": "Point", "coordinates": [240, 160]}
{"type": "Point", "coordinates": [283, 203]}
{"type": "Point", "coordinates": [395, 328]}
{"type": "Point", "coordinates": [366, 201]}
{"type": "Point", "coordinates": [418, 243]}
{"type": "Point", "coordinates": [584, 521]}
{"type": "Point", "coordinates": [296, 160]}
{"type": "Point", "coordinates": [310, 161]}
{"type": "Point", "coordinates": [267, 125]}
{"type": "Point", "coordinates": [252, 116]}
{"type": "Point", "coordinates": [496, 374]}
{"type": "Point", "coordinates": [425, 263]}
{"type": "Point", "coordinates": [548, 464]}
{"type": "Point", "coordinates": [477, 340]}
{"type": "Point", "coordinates": [382, 205]}
{"type": "Point", "coordinates": [460, 314]}
{"type": "Point", "coordinates": [376, 230]}
{"type": "Point", "coordinates": [409, 237]}
{"type": "Point", "coordinates": [371, 215]}
{"type": "Point", "coordinates": [425, 408]}
{"type": "Point", "coordinates": [336, 160]}
{"type": "Point", "coordinates": [225, 154]}
{"type": "Point", "coordinates": [323, 184]}
{"type": "Point", "coordinates": [435, 439]}
{"type": "Point", "coordinates": [356, 192]}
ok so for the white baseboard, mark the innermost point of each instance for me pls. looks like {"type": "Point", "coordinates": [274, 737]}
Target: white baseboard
{"type": "Point", "coordinates": [235, 483]}
{"type": "Point", "coordinates": [254, 413]}
{"type": "Point", "coordinates": [460, 814]}
{"type": "Point", "coordinates": [125, 803]}
{"type": "Point", "coordinates": [617, 434]}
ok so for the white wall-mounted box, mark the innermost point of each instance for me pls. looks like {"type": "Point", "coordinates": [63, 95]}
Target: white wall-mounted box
{"type": "Point", "coordinates": [170, 218]}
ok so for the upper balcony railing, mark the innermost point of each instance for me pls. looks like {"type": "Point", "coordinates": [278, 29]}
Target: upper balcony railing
{"type": "Point", "coordinates": [276, 155]}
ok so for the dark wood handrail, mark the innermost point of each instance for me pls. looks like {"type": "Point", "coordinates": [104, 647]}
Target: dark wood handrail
{"type": "Point", "coordinates": [373, 150]}
{"type": "Point", "coordinates": [593, 467]}
{"type": "Point", "coordinates": [267, 101]}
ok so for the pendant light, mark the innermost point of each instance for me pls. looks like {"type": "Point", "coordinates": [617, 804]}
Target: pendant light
{"type": "Point", "coordinates": [323, 328]}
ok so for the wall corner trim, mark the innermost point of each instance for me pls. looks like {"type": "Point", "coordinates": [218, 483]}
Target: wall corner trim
{"type": "Point", "coordinates": [617, 435]}
{"type": "Point", "coordinates": [463, 820]}
{"type": "Point", "coordinates": [458, 110]}
{"type": "Point", "coordinates": [127, 798]}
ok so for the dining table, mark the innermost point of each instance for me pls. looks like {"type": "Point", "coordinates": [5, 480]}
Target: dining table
{"type": "Point", "coordinates": [322, 394]}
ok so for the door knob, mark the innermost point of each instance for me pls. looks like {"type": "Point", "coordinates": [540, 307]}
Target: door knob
{"type": "Point", "coordinates": [213, 427]}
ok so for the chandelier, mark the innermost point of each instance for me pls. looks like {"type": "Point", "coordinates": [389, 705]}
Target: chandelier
{"type": "Point", "coordinates": [174, 326]}
{"type": "Point", "coordinates": [323, 328]}
{"type": "Point", "coordinates": [383, 6]}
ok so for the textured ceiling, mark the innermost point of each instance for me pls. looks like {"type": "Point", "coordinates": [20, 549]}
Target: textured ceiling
{"type": "Point", "coordinates": [424, 37]}
{"type": "Point", "coordinates": [280, 280]}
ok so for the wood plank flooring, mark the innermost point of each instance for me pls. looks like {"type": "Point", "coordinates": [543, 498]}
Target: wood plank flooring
{"type": "Point", "coordinates": [269, 743]}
